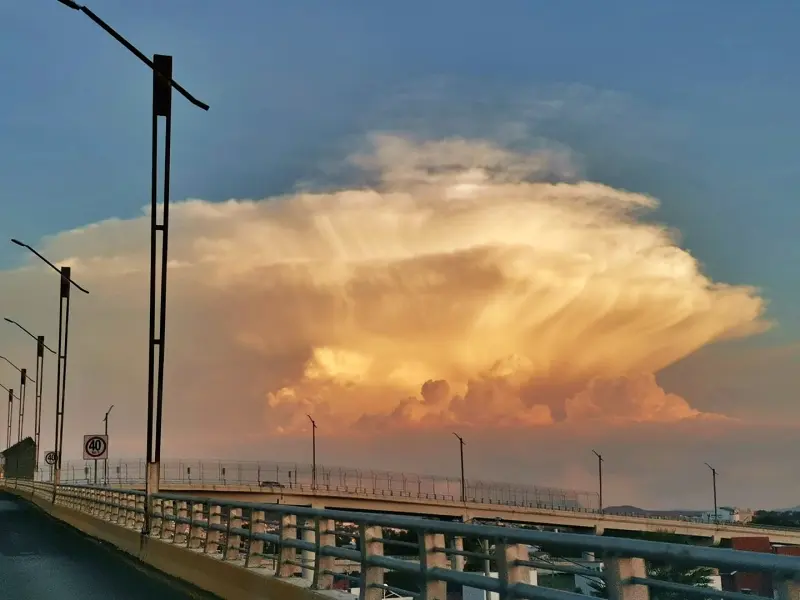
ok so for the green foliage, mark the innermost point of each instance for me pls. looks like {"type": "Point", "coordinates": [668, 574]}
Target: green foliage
{"type": "Point", "coordinates": [777, 518]}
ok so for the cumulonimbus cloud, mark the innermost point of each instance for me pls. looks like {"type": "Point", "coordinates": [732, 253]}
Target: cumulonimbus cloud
{"type": "Point", "coordinates": [468, 285]}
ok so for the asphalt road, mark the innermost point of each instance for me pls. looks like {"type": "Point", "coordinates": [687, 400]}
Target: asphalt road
{"type": "Point", "coordinates": [43, 559]}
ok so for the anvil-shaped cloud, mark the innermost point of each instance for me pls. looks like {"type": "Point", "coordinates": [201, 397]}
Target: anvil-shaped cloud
{"type": "Point", "coordinates": [467, 285]}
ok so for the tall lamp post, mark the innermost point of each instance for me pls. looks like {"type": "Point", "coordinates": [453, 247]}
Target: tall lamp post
{"type": "Point", "coordinates": [105, 465]}
{"type": "Point", "coordinates": [461, 444]}
{"type": "Point", "coordinates": [714, 483]}
{"type": "Point", "coordinates": [23, 378]}
{"type": "Point", "coordinates": [600, 476]}
{"type": "Point", "coordinates": [161, 65]}
{"type": "Point", "coordinates": [313, 453]}
{"type": "Point", "coordinates": [40, 348]}
{"type": "Point", "coordinates": [65, 285]}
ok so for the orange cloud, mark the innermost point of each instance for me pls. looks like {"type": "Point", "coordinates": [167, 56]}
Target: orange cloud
{"type": "Point", "coordinates": [463, 287]}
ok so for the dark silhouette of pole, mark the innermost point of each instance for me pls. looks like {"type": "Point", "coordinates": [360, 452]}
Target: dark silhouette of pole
{"type": "Point", "coordinates": [461, 444]}
{"type": "Point", "coordinates": [714, 483]}
{"type": "Point", "coordinates": [23, 374]}
{"type": "Point", "coordinates": [313, 453]}
{"type": "Point", "coordinates": [39, 385]}
{"type": "Point", "coordinates": [10, 415]}
{"type": "Point", "coordinates": [105, 466]}
{"type": "Point", "coordinates": [161, 65]}
{"type": "Point", "coordinates": [600, 476]}
{"type": "Point", "coordinates": [65, 285]}
{"type": "Point", "coordinates": [23, 378]}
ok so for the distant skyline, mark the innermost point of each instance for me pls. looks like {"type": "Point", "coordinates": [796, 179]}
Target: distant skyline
{"type": "Point", "coordinates": [532, 224]}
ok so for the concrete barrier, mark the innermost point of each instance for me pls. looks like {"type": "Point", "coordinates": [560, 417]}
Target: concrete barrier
{"type": "Point", "coordinates": [223, 579]}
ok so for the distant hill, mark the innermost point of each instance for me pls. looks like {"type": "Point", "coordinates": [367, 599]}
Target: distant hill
{"type": "Point", "coordinates": [627, 509]}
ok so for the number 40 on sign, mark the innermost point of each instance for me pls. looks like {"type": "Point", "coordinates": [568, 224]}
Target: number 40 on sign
{"type": "Point", "coordinates": [95, 447]}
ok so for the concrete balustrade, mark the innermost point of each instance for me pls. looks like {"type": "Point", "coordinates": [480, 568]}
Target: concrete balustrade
{"type": "Point", "coordinates": [225, 548]}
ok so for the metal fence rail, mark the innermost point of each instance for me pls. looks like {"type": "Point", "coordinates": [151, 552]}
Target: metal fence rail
{"type": "Point", "coordinates": [305, 545]}
{"type": "Point", "coordinates": [338, 479]}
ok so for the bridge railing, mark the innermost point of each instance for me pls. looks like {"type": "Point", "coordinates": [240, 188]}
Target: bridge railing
{"type": "Point", "coordinates": [409, 556]}
{"type": "Point", "coordinates": [342, 480]}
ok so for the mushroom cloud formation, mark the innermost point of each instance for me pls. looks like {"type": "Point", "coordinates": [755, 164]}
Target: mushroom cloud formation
{"type": "Point", "coordinates": [467, 284]}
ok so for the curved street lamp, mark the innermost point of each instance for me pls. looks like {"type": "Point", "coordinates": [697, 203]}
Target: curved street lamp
{"type": "Point", "coordinates": [66, 283]}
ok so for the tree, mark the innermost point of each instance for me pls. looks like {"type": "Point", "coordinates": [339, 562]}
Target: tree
{"type": "Point", "coordinates": [789, 518]}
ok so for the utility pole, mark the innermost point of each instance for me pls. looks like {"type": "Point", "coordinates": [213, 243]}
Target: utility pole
{"type": "Point", "coordinates": [461, 444]}
{"type": "Point", "coordinates": [600, 476]}
{"type": "Point", "coordinates": [714, 483]}
{"type": "Point", "coordinates": [313, 453]}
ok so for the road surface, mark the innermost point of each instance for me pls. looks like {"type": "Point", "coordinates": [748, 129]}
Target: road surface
{"type": "Point", "coordinates": [43, 558]}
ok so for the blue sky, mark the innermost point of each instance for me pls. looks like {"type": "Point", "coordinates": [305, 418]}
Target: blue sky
{"type": "Point", "coordinates": [707, 122]}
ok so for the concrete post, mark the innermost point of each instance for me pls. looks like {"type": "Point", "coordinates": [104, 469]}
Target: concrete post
{"type": "Point", "coordinates": [130, 511]}
{"type": "Point", "coordinates": [288, 531]}
{"type": "Point", "coordinates": [196, 531]}
{"type": "Point", "coordinates": [508, 557]}
{"type": "Point", "coordinates": [167, 524]}
{"type": "Point", "coordinates": [619, 570]}
{"type": "Point", "coordinates": [140, 502]}
{"type": "Point", "coordinates": [370, 575]}
{"type": "Point", "coordinates": [324, 537]}
{"type": "Point", "coordinates": [433, 557]}
{"type": "Point", "coordinates": [588, 556]}
{"type": "Point", "coordinates": [458, 560]}
{"type": "Point", "coordinates": [156, 522]}
{"type": "Point", "coordinates": [307, 556]}
{"type": "Point", "coordinates": [234, 539]}
{"type": "Point", "coordinates": [255, 556]}
{"type": "Point", "coordinates": [212, 535]}
{"type": "Point", "coordinates": [787, 589]}
{"type": "Point", "coordinates": [181, 529]}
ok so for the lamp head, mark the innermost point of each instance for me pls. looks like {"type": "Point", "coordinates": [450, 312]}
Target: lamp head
{"type": "Point", "coordinates": [70, 4]}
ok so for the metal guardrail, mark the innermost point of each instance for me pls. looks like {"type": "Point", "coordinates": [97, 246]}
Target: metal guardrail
{"type": "Point", "coordinates": [288, 541]}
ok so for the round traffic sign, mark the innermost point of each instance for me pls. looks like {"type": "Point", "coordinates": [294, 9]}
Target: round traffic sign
{"type": "Point", "coordinates": [50, 458]}
{"type": "Point", "coordinates": [95, 446]}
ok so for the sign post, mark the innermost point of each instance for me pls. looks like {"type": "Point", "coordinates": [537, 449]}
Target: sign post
{"type": "Point", "coordinates": [51, 458]}
{"type": "Point", "coordinates": [95, 447]}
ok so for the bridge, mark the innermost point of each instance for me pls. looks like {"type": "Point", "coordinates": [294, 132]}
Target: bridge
{"type": "Point", "coordinates": [435, 496]}
{"type": "Point", "coordinates": [235, 549]}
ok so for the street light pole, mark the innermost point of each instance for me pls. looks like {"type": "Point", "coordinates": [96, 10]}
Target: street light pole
{"type": "Point", "coordinates": [714, 483]}
{"type": "Point", "coordinates": [23, 374]}
{"type": "Point", "coordinates": [600, 476]}
{"type": "Point", "coordinates": [105, 466]}
{"type": "Point", "coordinates": [10, 415]}
{"type": "Point", "coordinates": [161, 66]}
{"type": "Point", "coordinates": [313, 453]}
{"type": "Point", "coordinates": [461, 444]}
{"type": "Point", "coordinates": [65, 285]}
{"type": "Point", "coordinates": [39, 385]}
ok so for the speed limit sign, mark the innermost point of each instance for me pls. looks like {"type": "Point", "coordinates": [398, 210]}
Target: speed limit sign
{"type": "Point", "coordinates": [50, 458]}
{"type": "Point", "coordinates": [95, 447]}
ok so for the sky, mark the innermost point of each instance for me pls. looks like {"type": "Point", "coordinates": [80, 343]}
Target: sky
{"type": "Point", "coordinates": [551, 227]}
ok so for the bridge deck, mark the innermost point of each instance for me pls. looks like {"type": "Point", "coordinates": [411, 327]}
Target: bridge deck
{"type": "Point", "coordinates": [43, 558]}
